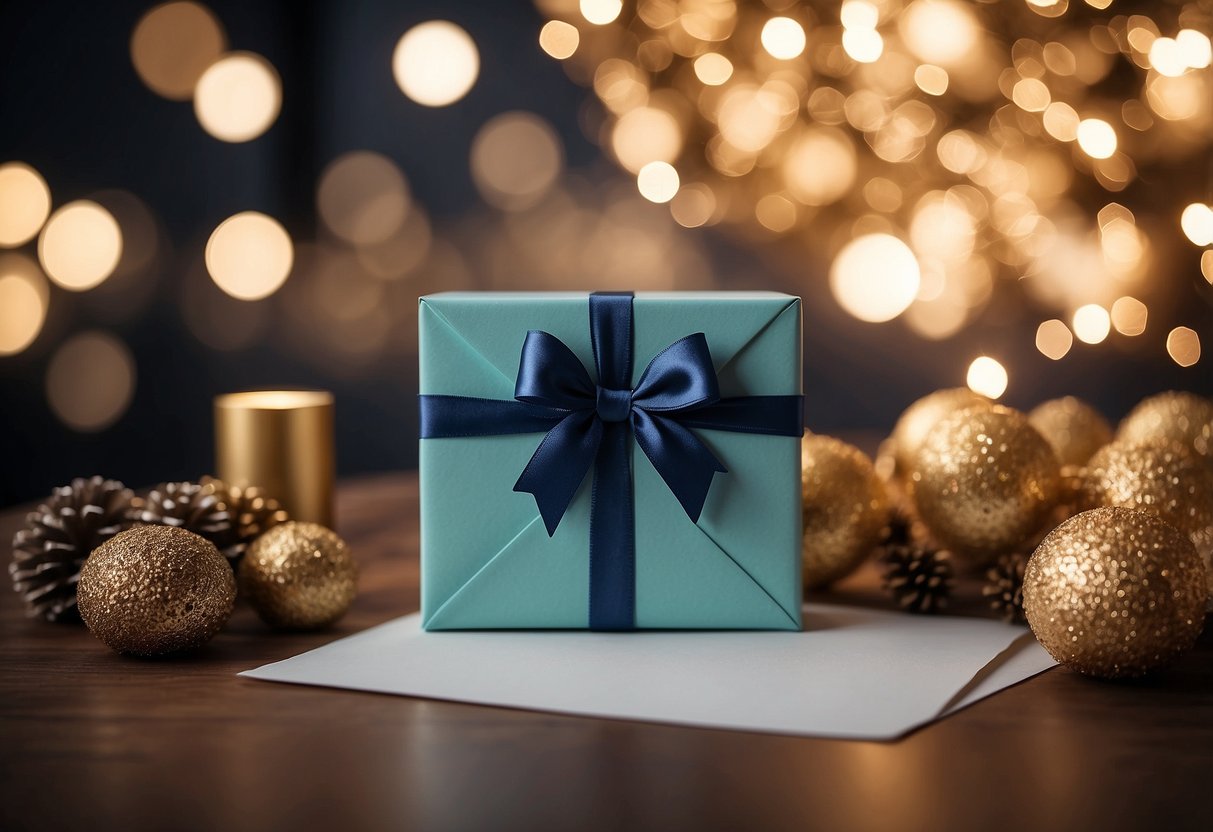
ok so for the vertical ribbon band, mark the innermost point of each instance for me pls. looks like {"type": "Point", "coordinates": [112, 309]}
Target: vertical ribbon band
{"type": "Point", "coordinates": [589, 425]}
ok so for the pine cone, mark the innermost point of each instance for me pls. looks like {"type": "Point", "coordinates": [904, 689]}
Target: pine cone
{"type": "Point", "coordinates": [252, 514]}
{"type": "Point", "coordinates": [58, 536]}
{"type": "Point", "coordinates": [1004, 587]}
{"type": "Point", "coordinates": [899, 531]}
{"type": "Point", "coordinates": [919, 578]}
{"type": "Point", "coordinates": [186, 505]}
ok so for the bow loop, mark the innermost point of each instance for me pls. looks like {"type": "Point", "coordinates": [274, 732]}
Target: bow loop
{"type": "Point", "coordinates": [679, 378]}
{"type": "Point", "coordinates": [550, 374]}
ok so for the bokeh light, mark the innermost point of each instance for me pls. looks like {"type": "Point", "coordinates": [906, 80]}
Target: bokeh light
{"type": "Point", "coordinates": [80, 245]}
{"type": "Point", "coordinates": [643, 135]}
{"type": "Point", "coordinates": [173, 44]}
{"type": "Point", "coordinates": [1091, 323]}
{"type": "Point", "coordinates": [249, 255]}
{"type": "Point", "coordinates": [713, 69]}
{"type": "Point", "coordinates": [820, 166]}
{"type": "Point", "coordinates": [1053, 339]}
{"type": "Point", "coordinates": [940, 32]}
{"type": "Point", "coordinates": [1183, 345]}
{"type": "Point", "coordinates": [90, 381]}
{"type": "Point", "coordinates": [25, 203]}
{"type": "Point", "coordinates": [1096, 138]}
{"type": "Point", "coordinates": [1129, 316]}
{"type": "Point", "coordinates": [238, 97]}
{"type": "Point", "coordinates": [987, 377]}
{"type": "Point", "coordinates": [783, 38]}
{"type": "Point", "coordinates": [559, 39]}
{"type": "Point", "coordinates": [1197, 223]}
{"type": "Point", "coordinates": [436, 63]}
{"type": "Point", "coordinates": [600, 12]}
{"type": "Point", "coordinates": [875, 277]}
{"type": "Point", "coordinates": [516, 157]}
{"type": "Point", "coordinates": [657, 182]}
{"type": "Point", "coordinates": [362, 197]}
{"type": "Point", "coordinates": [23, 302]}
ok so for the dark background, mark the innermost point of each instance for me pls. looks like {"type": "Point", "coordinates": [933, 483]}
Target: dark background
{"type": "Point", "coordinates": [72, 106]}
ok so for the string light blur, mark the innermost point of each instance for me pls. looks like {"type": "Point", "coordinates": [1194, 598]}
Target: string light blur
{"type": "Point", "coordinates": [875, 277]}
{"type": "Point", "coordinates": [1183, 345]}
{"type": "Point", "coordinates": [987, 376]}
{"type": "Point", "coordinates": [1091, 323]}
{"type": "Point", "coordinates": [80, 245]}
{"type": "Point", "coordinates": [559, 39]}
{"type": "Point", "coordinates": [23, 301]}
{"type": "Point", "coordinates": [435, 63]}
{"type": "Point", "coordinates": [515, 159]}
{"type": "Point", "coordinates": [1053, 339]}
{"type": "Point", "coordinates": [90, 381]}
{"type": "Point", "coordinates": [25, 203]}
{"type": "Point", "coordinates": [238, 97]}
{"type": "Point", "coordinates": [249, 255]}
{"type": "Point", "coordinates": [657, 182]}
{"type": "Point", "coordinates": [173, 44]}
{"type": "Point", "coordinates": [362, 197]}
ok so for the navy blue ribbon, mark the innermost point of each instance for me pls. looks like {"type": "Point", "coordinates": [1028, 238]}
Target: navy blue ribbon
{"type": "Point", "coordinates": [587, 426]}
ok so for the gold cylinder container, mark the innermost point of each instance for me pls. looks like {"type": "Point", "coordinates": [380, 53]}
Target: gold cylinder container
{"type": "Point", "coordinates": [281, 441]}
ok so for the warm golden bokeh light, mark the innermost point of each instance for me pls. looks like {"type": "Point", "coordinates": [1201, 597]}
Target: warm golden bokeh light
{"type": "Point", "coordinates": [875, 277]}
{"type": "Point", "coordinates": [1129, 316]}
{"type": "Point", "coordinates": [1091, 323]}
{"type": "Point", "coordinates": [693, 205]}
{"type": "Point", "coordinates": [90, 381]}
{"type": "Point", "coordinates": [516, 158]}
{"type": "Point", "coordinates": [859, 14]}
{"type": "Point", "coordinates": [249, 255]}
{"type": "Point", "coordinates": [362, 197]}
{"type": "Point", "coordinates": [941, 32]}
{"type": "Point", "coordinates": [713, 69]}
{"type": "Point", "coordinates": [931, 79]}
{"type": "Point", "coordinates": [600, 12]}
{"type": "Point", "coordinates": [559, 39]}
{"type": "Point", "coordinates": [863, 45]}
{"type": "Point", "coordinates": [646, 134]}
{"type": "Point", "coordinates": [436, 63]}
{"type": "Point", "coordinates": [80, 245]}
{"type": "Point", "coordinates": [776, 212]}
{"type": "Point", "coordinates": [657, 182]}
{"type": "Point", "coordinates": [1096, 138]}
{"type": "Point", "coordinates": [1183, 345]}
{"type": "Point", "coordinates": [23, 302]}
{"type": "Point", "coordinates": [1061, 121]}
{"type": "Point", "coordinates": [1197, 223]}
{"type": "Point", "coordinates": [238, 97]}
{"type": "Point", "coordinates": [1053, 339]}
{"type": "Point", "coordinates": [1206, 265]}
{"type": "Point", "coordinates": [25, 203]}
{"type": "Point", "coordinates": [783, 38]}
{"type": "Point", "coordinates": [1195, 48]}
{"type": "Point", "coordinates": [172, 46]}
{"type": "Point", "coordinates": [987, 377]}
{"type": "Point", "coordinates": [820, 166]}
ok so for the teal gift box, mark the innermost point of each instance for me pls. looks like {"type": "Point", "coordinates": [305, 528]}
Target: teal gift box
{"type": "Point", "coordinates": [489, 560]}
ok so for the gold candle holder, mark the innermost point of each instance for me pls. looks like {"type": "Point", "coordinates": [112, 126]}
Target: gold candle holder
{"type": "Point", "coordinates": [281, 441]}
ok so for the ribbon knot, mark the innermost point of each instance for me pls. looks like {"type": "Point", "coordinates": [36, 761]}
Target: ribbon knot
{"type": "Point", "coordinates": [614, 405]}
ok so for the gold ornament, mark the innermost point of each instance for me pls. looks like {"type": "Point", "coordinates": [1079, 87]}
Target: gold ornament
{"type": "Point", "coordinates": [845, 509]}
{"type": "Point", "coordinates": [1163, 477]}
{"type": "Point", "coordinates": [984, 481]}
{"type": "Point", "coordinates": [299, 576]}
{"type": "Point", "coordinates": [1180, 417]}
{"type": "Point", "coordinates": [1072, 427]}
{"type": "Point", "coordinates": [154, 590]}
{"type": "Point", "coordinates": [917, 420]}
{"type": "Point", "coordinates": [1115, 592]}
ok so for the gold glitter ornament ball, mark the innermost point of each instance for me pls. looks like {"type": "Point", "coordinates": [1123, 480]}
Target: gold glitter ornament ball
{"type": "Point", "coordinates": [1115, 592]}
{"type": "Point", "coordinates": [845, 509]}
{"type": "Point", "coordinates": [1072, 427]}
{"type": "Point", "coordinates": [1181, 417]}
{"type": "Point", "coordinates": [1162, 477]}
{"type": "Point", "coordinates": [154, 590]}
{"type": "Point", "coordinates": [299, 576]}
{"type": "Point", "coordinates": [984, 481]}
{"type": "Point", "coordinates": [917, 420]}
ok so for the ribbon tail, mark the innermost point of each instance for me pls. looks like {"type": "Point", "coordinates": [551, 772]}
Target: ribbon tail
{"type": "Point", "coordinates": [612, 534]}
{"type": "Point", "coordinates": [559, 465]}
{"type": "Point", "coordinates": [680, 457]}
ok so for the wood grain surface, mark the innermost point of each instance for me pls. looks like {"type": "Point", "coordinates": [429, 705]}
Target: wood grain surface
{"type": "Point", "coordinates": [90, 740]}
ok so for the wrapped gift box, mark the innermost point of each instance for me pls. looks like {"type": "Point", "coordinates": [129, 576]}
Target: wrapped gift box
{"type": "Point", "coordinates": [593, 534]}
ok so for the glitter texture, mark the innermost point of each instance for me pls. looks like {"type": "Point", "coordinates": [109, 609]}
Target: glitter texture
{"type": "Point", "coordinates": [1182, 417]}
{"type": "Point", "coordinates": [299, 576]}
{"type": "Point", "coordinates": [917, 420]}
{"type": "Point", "coordinates": [1115, 592]}
{"type": "Point", "coordinates": [984, 481]}
{"type": "Point", "coordinates": [1162, 477]}
{"type": "Point", "coordinates": [845, 508]}
{"type": "Point", "coordinates": [154, 590]}
{"type": "Point", "coordinates": [1073, 428]}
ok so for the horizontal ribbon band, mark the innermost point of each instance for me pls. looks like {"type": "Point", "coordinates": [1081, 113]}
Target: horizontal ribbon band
{"type": "Point", "coordinates": [587, 426]}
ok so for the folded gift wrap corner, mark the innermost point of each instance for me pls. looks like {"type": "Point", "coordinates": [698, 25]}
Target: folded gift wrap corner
{"type": "Point", "coordinates": [487, 559]}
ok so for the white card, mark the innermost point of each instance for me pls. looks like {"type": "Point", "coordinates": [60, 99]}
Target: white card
{"type": "Point", "coordinates": [852, 672]}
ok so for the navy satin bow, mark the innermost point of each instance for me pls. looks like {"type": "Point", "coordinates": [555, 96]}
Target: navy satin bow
{"type": "Point", "coordinates": [587, 426]}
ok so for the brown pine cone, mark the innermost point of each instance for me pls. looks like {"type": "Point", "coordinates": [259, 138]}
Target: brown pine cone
{"type": "Point", "coordinates": [1004, 587]}
{"type": "Point", "coordinates": [58, 536]}
{"type": "Point", "coordinates": [191, 506]}
{"type": "Point", "coordinates": [252, 513]}
{"type": "Point", "coordinates": [918, 577]}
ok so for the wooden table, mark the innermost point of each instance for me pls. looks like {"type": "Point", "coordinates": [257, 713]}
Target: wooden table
{"type": "Point", "coordinates": [90, 740]}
